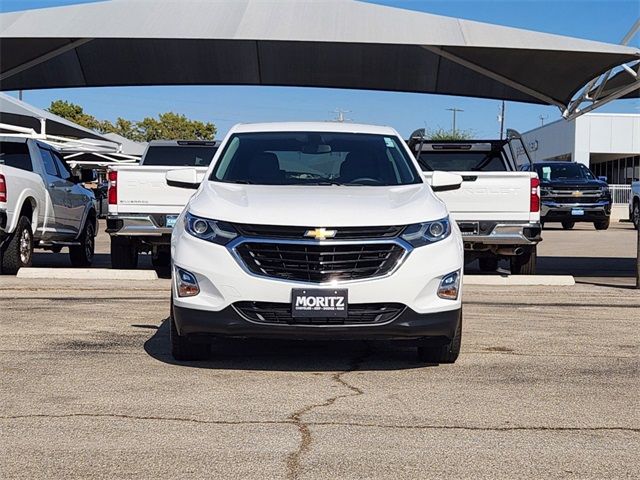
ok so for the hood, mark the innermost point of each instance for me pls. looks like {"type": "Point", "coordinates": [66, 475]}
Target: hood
{"type": "Point", "coordinates": [321, 206]}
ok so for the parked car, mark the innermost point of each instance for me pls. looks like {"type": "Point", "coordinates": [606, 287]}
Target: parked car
{"type": "Point", "coordinates": [316, 230]}
{"type": "Point", "coordinates": [634, 204]}
{"type": "Point", "coordinates": [142, 207]}
{"type": "Point", "coordinates": [42, 205]}
{"type": "Point", "coordinates": [571, 193]}
{"type": "Point", "coordinates": [497, 208]}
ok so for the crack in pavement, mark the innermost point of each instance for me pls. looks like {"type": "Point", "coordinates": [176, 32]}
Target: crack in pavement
{"type": "Point", "coordinates": [294, 459]}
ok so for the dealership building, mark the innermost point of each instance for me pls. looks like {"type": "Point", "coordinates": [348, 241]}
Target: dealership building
{"type": "Point", "coordinates": [608, 143]}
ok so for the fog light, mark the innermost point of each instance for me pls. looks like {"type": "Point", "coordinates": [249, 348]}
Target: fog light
{"type": "Point", "coordinates": [449, 286]}
{"type": "Point", "coordinates": [186, 283]}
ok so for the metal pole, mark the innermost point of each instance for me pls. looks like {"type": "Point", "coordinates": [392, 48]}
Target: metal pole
{"type": "Point", "coordinates": [20, 95]}
{"type": "Point", "coordinates": [454, 111]}
{"type": "Point", "coordinates": [502, 121]}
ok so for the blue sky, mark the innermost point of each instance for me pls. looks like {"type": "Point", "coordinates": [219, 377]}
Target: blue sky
{"type": "Point", "coordinates": [603, 20]}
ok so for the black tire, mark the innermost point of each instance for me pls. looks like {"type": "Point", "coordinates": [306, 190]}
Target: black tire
{"type": "Point", "coordinates": [635, 215]}
{"type": "Point", "coordinates": [161, 260]}
{"type": "Point", "coordinates": [182, 349]}
{"type": "Point", "coordinates": [124, 253]}
{"type": "Point", "coordinates": [18, 248]}
{"type": "Point", "coordinates": [568, 225]}
{"type": "Point", "coordinates": [439, 353]}
{"type": "Point", "coordinates": [602, 224]}
{"type": "Point", "coordinates": [488, 264]}
{"type": "Point", "coordinates": [525, 264]}
{"type": "Point", "coordinates": [82, 255]}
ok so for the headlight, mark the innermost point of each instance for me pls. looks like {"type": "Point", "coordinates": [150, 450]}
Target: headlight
{"type": "Point", "coordinates": [545, 191]}
{"type": "Point", "coordinates": [209, 230]}
{"type": "Point", "coordinates": [421, 234]}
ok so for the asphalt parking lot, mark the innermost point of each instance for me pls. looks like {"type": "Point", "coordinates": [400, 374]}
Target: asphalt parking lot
{"type": "Point", "coordinates": [546, 387]}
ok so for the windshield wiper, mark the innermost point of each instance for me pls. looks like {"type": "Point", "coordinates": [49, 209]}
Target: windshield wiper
{"type": "Point", "coordinates": [242, 182]}
{"type": "Point", "coordinates": [326, 184]}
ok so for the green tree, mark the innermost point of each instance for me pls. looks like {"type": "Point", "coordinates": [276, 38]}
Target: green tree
{"type": "Point", "coordinates": [74, 113]}
{"type": "Point", "coordinates": [126, 128]}
{"type": "Point", "coordinates": [441, 135]}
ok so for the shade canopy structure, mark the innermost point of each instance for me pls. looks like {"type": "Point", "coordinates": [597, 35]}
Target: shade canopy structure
{"type": "Point", "coordinates": [319, 43]}
{"type": "Point", "coordinates": [14, 112]}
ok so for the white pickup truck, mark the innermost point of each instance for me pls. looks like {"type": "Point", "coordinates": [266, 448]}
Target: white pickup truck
{"type": "Point", "coordinates": [634, 204]}
{"type": "Point", "coordinates": [143, 208]}
{"type": "Point", "coordinates": [497, 208]}
{"type": "Point", "coordinates": [42, 205]}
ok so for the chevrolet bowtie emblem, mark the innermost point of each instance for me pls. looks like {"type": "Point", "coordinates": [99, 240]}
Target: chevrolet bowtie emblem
{"type": "Point", "coordinates": [577, 194]}
{"type": "Point", "coordinates": [320, 233]}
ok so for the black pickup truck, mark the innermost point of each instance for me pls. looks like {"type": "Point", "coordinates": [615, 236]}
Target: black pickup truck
{"type": "Point", "coordinates": [571, 193]}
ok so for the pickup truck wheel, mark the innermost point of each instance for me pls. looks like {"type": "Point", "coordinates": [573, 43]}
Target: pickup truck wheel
{"type": "Point", "coordinates": [525, 264]}
{"type": "Point", "coordinates": [439, 353]}
{"type": "Point", "coordinates": [161, 260]}
{"type": "Point", "coordinates": [635, 215]}
{"type": "Point", "coordinates": [488, 264]}
{"type": "Point", "coordinates": [82, 255]}
{"type": "Point", "coordinates": [124, 253]}
{"type": "Point", "coordinates": [18, 249]}
{"type": "Point", "coordinates": [181, 348]}
{"type": "Point", "coordinates": [568, 225]}
{"type": "Point", "coordinates": [601, 225]}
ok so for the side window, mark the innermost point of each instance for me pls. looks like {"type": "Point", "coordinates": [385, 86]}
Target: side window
{"type": "Point", "coordinates": [63, 168]}
{"type": "Point", "coordinates": [16, 155]}
{"type": "Point", "coordinates": [49, 162]}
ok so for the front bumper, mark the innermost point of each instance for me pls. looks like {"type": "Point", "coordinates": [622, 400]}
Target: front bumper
{"type": "Point", "coordinates": [559, 212]}
{"type": "Point", "coordinates": [230, 323]}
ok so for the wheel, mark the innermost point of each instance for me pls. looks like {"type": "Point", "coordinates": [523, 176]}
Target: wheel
{"type": "Point", "coordinates": [602, 224]}
{"type": "Point", "coordinates": [488, 264]}
{"type": "Point", "coordinates": [525, 264]}
{"type": "Point", "coordinates": [182, 349]}
{"type": "Point", "coordinates": [438, 353]}
{"type": "Point", "coordinates": [161, 259]}
{"type": "Point", "coordinates": [18, 249]}
{"type": "Point", "coordinates": [124, 253]}
{"type": "Point", "coordinates": [542, 225]}
{"type": "Point", "coordinates": [568, 225]}
{"type": "Point", "coordinates": [82, 255]}
{"type": "Point", "coordinates": [635, 215]}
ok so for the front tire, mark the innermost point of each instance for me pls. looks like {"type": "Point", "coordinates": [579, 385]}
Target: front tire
{"type": "Point", "coordinates": [18, 249]}
{"type": "Point", "coordinates": [602, 224]}
{"type": "Point", "coordinates": [525, 264]}
{"type": "Point", "coordinates": [82, 255]}
{"type": "Point", "coordinates": [439, 353]}
{"type": "Point", "coordinates": [124, 253]}
{"type": "Point", "coordinates": [635, 215]}
{"type": "Point", "coordinates": [182, 349]}
{"type": "Point", "coordinates": [568, 225]}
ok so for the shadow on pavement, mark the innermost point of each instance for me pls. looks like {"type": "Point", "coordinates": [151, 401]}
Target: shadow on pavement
{"type": "Point", "coordinates": [587, 266]}
{"type": "Point", "coordinates": [291, 355]}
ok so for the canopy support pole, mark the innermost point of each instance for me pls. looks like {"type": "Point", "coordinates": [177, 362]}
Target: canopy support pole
{"type": "Point", "coordinates": [495, 76]}
{"type": "Point", "coordinates": [43, 58]}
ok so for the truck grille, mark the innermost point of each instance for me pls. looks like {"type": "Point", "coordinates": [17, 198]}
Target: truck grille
{"type": "Point", "coordinates": [306, 262]}
{"type": "Point", "coordinates": [357, 314]}
{"type": "Point", "coordinates": [570, 194]}
{"type": "Point", "coordinates": [297, 233]}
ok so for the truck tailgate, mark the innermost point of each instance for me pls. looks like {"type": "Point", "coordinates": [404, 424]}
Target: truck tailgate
{"type": "Point", "coordinates": [144, 190]}
{"type": "Point", "coordinates": [504, 196]}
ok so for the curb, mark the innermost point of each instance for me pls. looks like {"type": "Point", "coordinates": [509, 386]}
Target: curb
{"type": "Point", "coordinates": [86, 274]}
{"type": "Point", "coordinates": [520, 280]}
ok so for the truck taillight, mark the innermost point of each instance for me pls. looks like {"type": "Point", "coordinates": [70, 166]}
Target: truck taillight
{"type": "Point", "coordinates": [3, 189]}
{"type": "Point", "coordinates": [535, 195]}
{"type": "Point", "coordinates": [112, 194]}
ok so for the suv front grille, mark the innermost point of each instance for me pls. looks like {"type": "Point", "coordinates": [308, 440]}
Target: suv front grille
{"type": "Point", "coordinates": [297, 233]}
{"type": "Point", "coordinates": [308, 262]}
{"type": "Point", "coordinates": [357, 314]}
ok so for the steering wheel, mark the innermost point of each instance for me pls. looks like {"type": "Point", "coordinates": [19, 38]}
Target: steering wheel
{"type": "Point", "coordinates": [366, 179]}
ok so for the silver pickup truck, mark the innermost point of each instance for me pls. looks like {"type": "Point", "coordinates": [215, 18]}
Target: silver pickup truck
{"type": "Point", "coordinates": [42, 205]}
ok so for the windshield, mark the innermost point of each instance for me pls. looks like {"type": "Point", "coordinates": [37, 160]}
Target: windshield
{"type": "Point", "coordinates": [183, 156]}
{"type": "Point", "coordinates": [462, 161]}
{"type": "Point", "coordinates": [570, 171]}
{"type": "Point", "coordinates": [315, 158]}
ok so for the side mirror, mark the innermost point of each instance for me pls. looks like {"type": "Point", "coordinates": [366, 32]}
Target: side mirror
{"type": "Point", "coordinates": [183, 178]}
{"type": "Point", "coordinates": [602, 179]}
{"type": "Point", "coordinates": [445, 181]}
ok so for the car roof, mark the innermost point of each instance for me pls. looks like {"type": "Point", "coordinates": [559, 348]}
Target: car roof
{"type": "Point", "coordinates": [313, 127]}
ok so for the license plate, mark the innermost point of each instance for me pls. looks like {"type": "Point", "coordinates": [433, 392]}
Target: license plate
{"type": "Point", "coordinates": [577, 212]}
{"type": "Point", "coordinates": [315, 303]}
{"type": "Point", "coordinates": [170, 221]}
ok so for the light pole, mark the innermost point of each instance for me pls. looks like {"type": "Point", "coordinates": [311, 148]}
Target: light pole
{"type": "Point", "coordinates": [501, 119]}
{"type": "Point", "coordinates": [454, 111]}
{"type": "Point", "coordinates": [542, 119]}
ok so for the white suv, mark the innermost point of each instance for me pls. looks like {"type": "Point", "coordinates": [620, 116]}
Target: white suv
{"type": "Point", "coordinates": [316, 230]}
